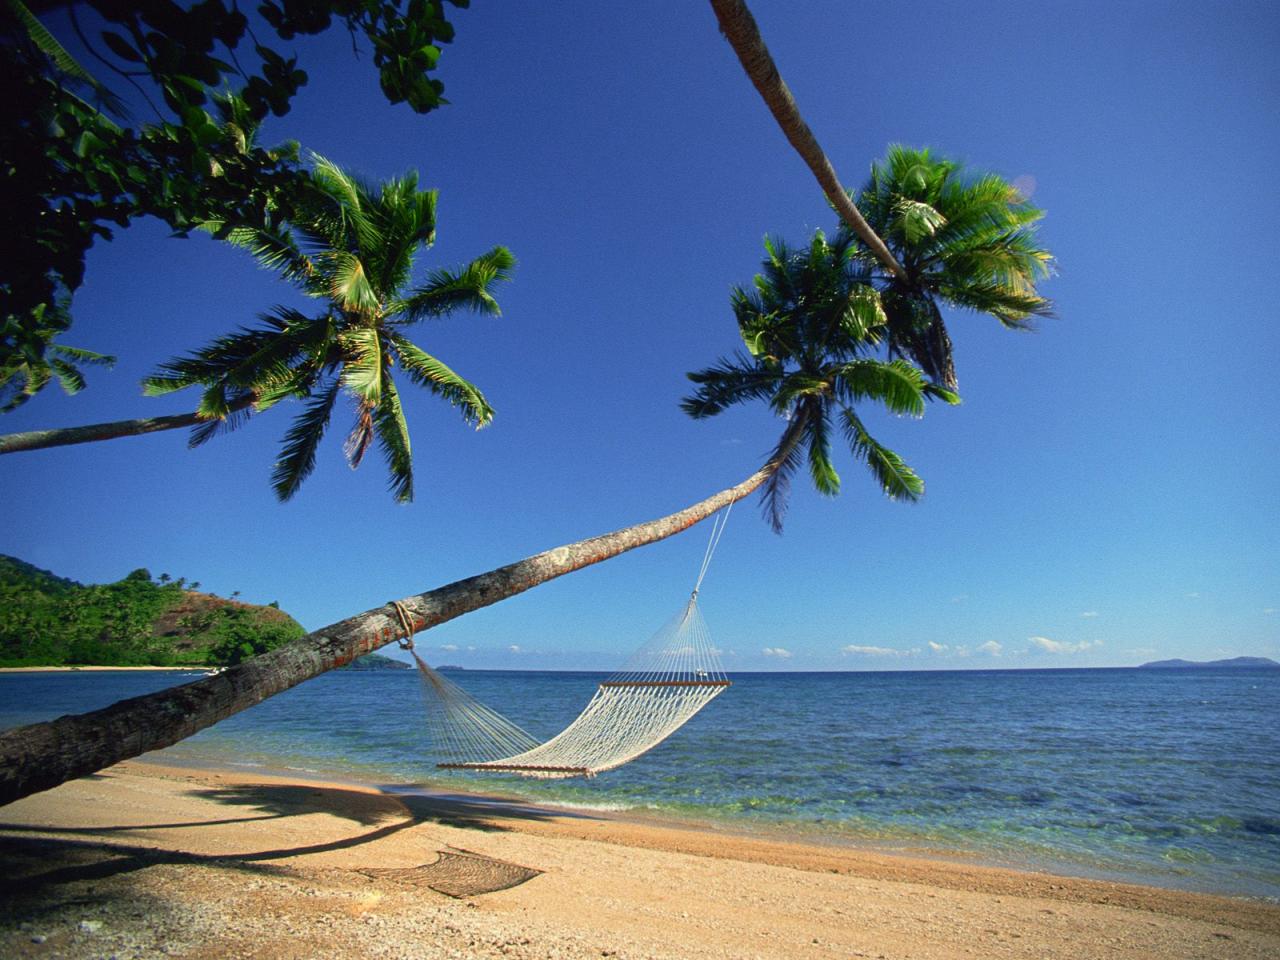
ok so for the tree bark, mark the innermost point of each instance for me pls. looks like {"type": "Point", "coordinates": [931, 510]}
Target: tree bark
{"type": "Point", "coordinates": [42, 755]}
{"type": "Point", "coordinates": [739, 27]}
{"type": "Point", "coordinates": [64, 436]}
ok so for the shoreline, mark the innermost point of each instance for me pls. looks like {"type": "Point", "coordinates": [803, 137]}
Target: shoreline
{"type": "Point", "coordinates": [260, 865]}
{"type": "Point", "coordinates": [817, 835]}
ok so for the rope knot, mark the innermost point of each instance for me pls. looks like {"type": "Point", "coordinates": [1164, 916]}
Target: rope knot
{"type": "Point", "coordinates": [406, 624]}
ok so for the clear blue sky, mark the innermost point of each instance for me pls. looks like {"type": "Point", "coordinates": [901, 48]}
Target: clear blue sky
{"type": "Point", "coordinates": [1106, 494]}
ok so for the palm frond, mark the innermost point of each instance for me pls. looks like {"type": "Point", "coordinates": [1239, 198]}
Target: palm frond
{"type": "Point", "coordinates": [237, 415]}
{"type": "Point", "coordinates": [298, 452]}
{"type": "Point", "coordinates": [916, 220]}
{"type": "Point", "coordinates": [357, 443]}
{"type": "Point", "coordinates": [353, 206]}
{"type": "Point", "coordinates": [775, 492]}
{"type": "Point", "coordinates": [897, 480]}
{"type": "Point", "coordinates": [466, 289]}
{"type": "Point", "coordinates": [18, 385]}
{"type": "Point", "coordinates": [69, 378]}
{"type": "Point", "coordinates": [732, 380]}
{"type": "Point", "coordinates": [45, 42]}
{"type": "Point", "coordinates": [863, 315]}
{"type": "Point", "coordinates": [393, 437]}
{"type": "Point", "coordinates": [80, 355]}
{"type": "Point", "coordinates": [895, 383]}
{"type": "Point", "coordinates": [426, 371]}
{"type": "Point", "coordinates": [410, 216]}
{"type": "Point", "coordinates": [818, 429]}
{"type": "Point", "coordinates": [364, 365]}
{"type": "Point", "coordinates": [274, 246]}
{"type": "Point", "coordinates": [797, 386]}
{"type": "Point", "coordinates": [348, 283]}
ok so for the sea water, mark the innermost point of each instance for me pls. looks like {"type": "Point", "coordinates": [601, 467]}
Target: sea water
{"type": "Point", "coordinates": [1169, 777]}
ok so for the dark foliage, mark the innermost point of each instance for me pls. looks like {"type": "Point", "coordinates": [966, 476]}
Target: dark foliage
{"type": "Point", "coordinates": [75, 165]}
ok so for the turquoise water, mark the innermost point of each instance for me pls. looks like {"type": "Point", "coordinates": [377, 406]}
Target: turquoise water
{"type": "Point", "coordinates": [1165, 777]}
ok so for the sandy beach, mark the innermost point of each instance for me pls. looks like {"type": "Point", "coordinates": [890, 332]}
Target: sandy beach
{"type": "Point", "coordinates": [145, 860]}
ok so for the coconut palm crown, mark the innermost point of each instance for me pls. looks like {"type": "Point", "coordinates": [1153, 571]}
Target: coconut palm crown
{"type": "Point", "coordinates": [964, 241]}
{"type": "Point", "coordinates": [353, 247]}
{"type": "Point", "coordinates": [812, 324]}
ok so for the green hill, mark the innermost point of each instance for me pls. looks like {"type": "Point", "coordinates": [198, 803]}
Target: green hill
{"type": "Point", "coordinates": [47, 620]}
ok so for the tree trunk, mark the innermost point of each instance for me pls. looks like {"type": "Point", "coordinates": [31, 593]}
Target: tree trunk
{"type": "Point", "coordinates": [739, 27]}
{"type": "Point", "coordinates": [42, 755]}
{"type": "Point", "coordinates": [64, 436]}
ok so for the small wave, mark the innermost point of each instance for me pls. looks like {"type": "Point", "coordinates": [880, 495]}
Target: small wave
{"type": "Point", "coordinates": [598, 806]}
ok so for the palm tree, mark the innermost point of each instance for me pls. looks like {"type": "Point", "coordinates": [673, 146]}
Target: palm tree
{"type": "Point", "coordinates": [810, 327]}
{"type": "Point", "coordinates": [353, 247]}
{"type": "Point", "coordinates": [964, 241]}
{"type": "Point", "coordinates": [740, 29]}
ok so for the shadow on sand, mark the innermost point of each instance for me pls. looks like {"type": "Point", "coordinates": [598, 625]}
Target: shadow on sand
{"type": "Point", "coordinates": [30, 864]}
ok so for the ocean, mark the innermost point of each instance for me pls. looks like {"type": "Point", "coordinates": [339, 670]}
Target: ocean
{"type": "Point", "coordinates": [1167, 777]}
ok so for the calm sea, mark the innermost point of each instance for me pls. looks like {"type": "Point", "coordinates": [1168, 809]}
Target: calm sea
{"type": "Point", "coordinates": [1165, 777]}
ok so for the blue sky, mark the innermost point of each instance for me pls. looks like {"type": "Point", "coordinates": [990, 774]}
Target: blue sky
{"type": "Point", "coordinates": [1105, 495]}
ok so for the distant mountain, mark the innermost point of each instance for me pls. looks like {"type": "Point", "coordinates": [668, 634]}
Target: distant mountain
{"type": "Point", "coordinates": [47, 621]}
{"type": "Point", "coordinates": [1233, 662]}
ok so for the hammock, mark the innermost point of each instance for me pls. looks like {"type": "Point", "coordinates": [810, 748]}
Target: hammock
{"type": "Point", "coordinates": [664, 684]}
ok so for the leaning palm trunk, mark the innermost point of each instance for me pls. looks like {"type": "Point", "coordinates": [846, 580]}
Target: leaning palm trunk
{"type": "Point", "coordinates": [43, 755]}
{"type": "Point", "coordinates": [739, 27]}
{"type": "Point", "coordinates": [64, 436]}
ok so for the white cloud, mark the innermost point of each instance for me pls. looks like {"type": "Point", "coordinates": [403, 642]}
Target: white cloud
{"type": "Point", "coordinates": [1193, 595]}
{"type": "Point", "coordinates": [778, 652]}
{"type": "Point", "coordinates": [451, 647]}
{"type": "Point", "coordinates": [990, 647]}
{"type": "Point", "coordinates": [1063, 646]}
{"type": "Point", "coordinates": [871, 651]}
{"type": "Point", "coordinates": [472, 649]}
{"type": "Point", "coordinates": [514, 648]}
{"type": "Point", "coordinates": [937, 647]}
{"type": "Point", "coordinates": [1089, 614]}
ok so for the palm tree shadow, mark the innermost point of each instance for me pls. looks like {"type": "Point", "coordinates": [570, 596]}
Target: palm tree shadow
{"type": "Point", "coordinates": [31, 864]}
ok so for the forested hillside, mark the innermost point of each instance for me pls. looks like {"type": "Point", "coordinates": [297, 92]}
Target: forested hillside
{"type": "Point", "coordinates": [47, 620]}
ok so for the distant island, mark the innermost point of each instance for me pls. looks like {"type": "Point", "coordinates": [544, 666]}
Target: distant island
{"type": "Point", "coordinates": [50, 621]}
{"type": "Point", "coordinates": [1188, 664]}
{"type": "Point", "coordinates": [376, 661]}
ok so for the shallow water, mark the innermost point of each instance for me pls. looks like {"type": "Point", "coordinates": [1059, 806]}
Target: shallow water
{"type": "Point", "coordinates": [1165, 777]}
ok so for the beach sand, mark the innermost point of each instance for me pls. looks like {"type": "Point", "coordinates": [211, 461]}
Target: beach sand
{"type": "Point", "coordinates": [145, 861]}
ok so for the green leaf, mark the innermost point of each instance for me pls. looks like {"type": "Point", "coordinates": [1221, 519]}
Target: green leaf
{"type": "Point", "coordinates": [298, 454]}
{"type": "Point", "coordinates": [393, 437]}
{"type": "Point", "coordinates": [426, 371]}
{"type": "Point", "coordinates": [895, 383]}
{"type": "Point", "coordinates": [917, 220]}
{"type": "Point", "coordinates": [898, 480]}
{"type": "Point", "coordinates": [364, 365]}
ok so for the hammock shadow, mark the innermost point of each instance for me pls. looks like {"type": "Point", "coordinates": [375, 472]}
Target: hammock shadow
{"type": "Point", "coordinates": [472, 812]}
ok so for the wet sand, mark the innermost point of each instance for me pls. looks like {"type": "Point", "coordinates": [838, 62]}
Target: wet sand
{"type": "Point", "coordinates": [147, 861]}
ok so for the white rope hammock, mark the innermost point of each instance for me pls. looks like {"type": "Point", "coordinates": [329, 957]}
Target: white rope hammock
{"type": "Point", "coordinates": [664, 684]}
